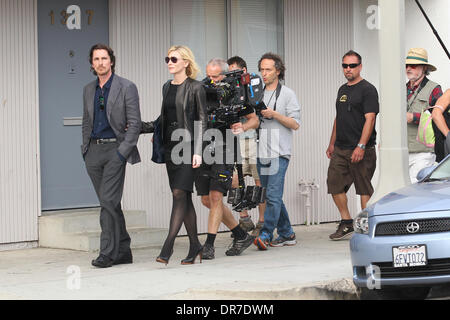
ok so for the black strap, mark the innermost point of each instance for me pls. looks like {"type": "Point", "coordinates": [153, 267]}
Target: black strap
{"type": "Point", "coordinates": [415, 94]}
{"type": "Point", "coordinates": [277, 95]}
{"type": "Point", "coordinates": [237, 165]}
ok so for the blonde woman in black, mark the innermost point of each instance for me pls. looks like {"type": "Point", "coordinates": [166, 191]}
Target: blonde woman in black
{"type": "Point", "coordinates": [183, 107]}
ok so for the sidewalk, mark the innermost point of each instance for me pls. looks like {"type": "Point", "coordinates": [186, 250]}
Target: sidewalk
{"type": "Point", "coordinates": [315, 268]}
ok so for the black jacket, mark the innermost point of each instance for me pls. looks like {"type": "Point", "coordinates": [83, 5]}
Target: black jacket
{"type": "Point", "coordinates": [191, 111]}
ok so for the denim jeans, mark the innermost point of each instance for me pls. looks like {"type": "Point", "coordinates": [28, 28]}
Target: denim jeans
{"type": "Point", "coordinates": [272, 173]}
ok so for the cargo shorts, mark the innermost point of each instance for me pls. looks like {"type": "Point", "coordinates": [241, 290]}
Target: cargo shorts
{"type": "Point", "coordinates": [342, 173]}
{"type": "Point", "coordinates": [248, 154]}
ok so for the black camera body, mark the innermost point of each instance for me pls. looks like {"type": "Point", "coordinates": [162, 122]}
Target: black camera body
{"type": "Point", "coordinates": [227, 99]}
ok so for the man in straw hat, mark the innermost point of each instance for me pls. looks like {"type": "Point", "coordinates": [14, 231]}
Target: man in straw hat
{"type": "Point", "coordinates": [422, 94]}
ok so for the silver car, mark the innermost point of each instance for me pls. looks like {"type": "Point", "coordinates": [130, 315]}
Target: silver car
{"type": "Point", "coordinates": [401, 244]}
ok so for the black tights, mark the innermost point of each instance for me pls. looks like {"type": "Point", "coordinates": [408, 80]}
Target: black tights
{"type": "Point", "coordinates": [182, 211]}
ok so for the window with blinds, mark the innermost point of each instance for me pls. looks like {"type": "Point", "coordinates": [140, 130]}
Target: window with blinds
{"type": "Point", "coordinates": [224, 28]}
{"type": "Point", "coordinates": [256, 28]}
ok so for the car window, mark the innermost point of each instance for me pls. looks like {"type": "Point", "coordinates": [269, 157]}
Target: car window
{"type": "Point", "coordinates": [442, 172]}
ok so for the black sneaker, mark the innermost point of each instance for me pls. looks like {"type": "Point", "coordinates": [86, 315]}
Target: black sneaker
{"type": "Point", "coordinates": [208, 252]}
{"type": "Point", "coordinates": [239, 246]}
{"type": "Point", "coordinates": [344, 231]}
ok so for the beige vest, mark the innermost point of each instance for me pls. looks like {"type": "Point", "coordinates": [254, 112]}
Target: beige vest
{"type": "Point", "coordinates": [417, 103]}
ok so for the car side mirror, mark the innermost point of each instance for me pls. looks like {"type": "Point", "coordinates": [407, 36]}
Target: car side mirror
{"type": "Point", "coordinates": [425, 172]}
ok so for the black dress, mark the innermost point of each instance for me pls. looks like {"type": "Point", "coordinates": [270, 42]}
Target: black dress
{"type": "Point", "coordinates": [181, 175]}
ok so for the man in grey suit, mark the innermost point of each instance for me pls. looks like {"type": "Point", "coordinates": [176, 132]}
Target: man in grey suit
{"type": "Point", "coordinates": [111, 127]}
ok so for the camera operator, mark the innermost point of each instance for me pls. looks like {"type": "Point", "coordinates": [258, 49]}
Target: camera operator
{"type": "Point", "coordinates": [214, 179]}
{"type": "Point", "coordinates": [281, 118]}
{"type": "Point", "coordinates": [247, 142]}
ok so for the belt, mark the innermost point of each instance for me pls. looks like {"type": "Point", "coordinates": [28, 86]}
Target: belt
{"type": "Point", "coordinates": [103, 141]}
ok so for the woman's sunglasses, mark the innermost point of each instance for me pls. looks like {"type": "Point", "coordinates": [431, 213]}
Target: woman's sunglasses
{"type": "Point", "coordinates": [173, 59]}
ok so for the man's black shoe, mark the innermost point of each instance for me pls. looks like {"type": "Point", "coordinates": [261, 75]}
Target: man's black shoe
{"type": "Point", "coordinates": [124, 258]}
{"type": "Point", "coordinates": [102, 262]}
{"type": "Point", "coordinates": [208, 252]}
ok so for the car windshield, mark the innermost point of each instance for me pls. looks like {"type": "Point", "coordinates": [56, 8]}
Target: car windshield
{"type": "Point", "coordinates": [442, 172]}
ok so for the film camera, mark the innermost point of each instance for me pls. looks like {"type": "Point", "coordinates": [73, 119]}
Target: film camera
{"type": "Point", "coordinates": [236, 92]}
{"type": "Point", "coordinates": [246, 198]}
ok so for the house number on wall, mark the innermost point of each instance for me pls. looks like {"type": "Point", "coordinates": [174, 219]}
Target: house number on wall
{"type": "Point", "coordinates": [71, 17]}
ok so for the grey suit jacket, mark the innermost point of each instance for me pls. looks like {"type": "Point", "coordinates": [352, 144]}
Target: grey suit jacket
{"type": "Point", "coordinates": [122, 109]}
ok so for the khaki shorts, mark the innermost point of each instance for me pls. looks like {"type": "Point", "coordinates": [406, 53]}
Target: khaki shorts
{"type": "Point", "coordinates": [248, 154]}
{"type": "Point", "coordinates": [342, 173]}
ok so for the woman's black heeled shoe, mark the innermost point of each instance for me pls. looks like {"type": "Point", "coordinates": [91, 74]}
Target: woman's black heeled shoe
{"type": "Point", "coordinates": [191, 259]}
{"type": "Point", "coordinates": [164, 260]}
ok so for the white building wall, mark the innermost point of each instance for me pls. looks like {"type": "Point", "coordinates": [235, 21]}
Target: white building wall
{"type": "Point", "coordinates": [317, 34]}
{"type": "Point", "coordinates": [419, 34]}
{"type": "Point", "coordinates": [19, 122]}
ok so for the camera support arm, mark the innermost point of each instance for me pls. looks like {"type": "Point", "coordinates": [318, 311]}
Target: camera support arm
{"type": "Point", "coordinates": [434, 30]}
{"type": "Point", "coordinates": [238, 165]}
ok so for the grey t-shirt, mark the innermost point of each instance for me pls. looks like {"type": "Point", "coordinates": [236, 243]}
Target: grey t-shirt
{"type": "Point", "coordinates": [275, 140]}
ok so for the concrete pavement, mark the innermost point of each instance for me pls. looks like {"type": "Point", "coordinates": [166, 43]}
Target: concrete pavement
{"type": "Point", "coordinates": [315, 268]}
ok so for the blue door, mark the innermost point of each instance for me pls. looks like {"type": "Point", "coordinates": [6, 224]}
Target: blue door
{"type": "Point", "coordinates": [66, 32]}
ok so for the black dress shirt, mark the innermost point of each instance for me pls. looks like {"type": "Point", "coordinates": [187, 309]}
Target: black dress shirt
{"type": "Point", "coordinates": [102, 129]}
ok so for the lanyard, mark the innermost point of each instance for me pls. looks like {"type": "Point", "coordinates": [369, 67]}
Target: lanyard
{"type": "Point", "coordinates": [278, 90]}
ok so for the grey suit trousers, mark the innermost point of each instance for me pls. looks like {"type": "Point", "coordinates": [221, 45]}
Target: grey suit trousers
{"type": "Point", "coordinates": [107, 172]}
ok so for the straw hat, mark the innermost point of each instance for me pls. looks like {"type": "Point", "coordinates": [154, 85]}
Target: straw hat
{"type": "Point", "coordinates": [419, 56]}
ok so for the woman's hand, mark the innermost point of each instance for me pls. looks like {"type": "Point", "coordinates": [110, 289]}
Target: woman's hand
{"type": "Point", "coordinates": [196, 161]}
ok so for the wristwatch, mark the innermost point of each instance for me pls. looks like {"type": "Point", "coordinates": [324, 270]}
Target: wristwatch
{"type": "Point", "coordinates": [362, 146]}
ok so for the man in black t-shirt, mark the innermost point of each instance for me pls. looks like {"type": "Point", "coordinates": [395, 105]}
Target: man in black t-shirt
{"type": "Point", "coordinates": [352, 143]}
{"type": "Point", "coordinates": [215, 176]}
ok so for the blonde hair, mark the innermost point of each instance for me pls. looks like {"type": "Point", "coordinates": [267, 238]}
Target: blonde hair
{"type": "Point", "coordinates": [186, 54]}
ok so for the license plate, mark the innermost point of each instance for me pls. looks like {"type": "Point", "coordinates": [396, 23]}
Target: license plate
{"type": "Point", "coordinates": [409, 256]}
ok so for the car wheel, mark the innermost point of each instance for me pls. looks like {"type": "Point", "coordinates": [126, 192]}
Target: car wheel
{"type": "Point", "coordinates": [394, 293]}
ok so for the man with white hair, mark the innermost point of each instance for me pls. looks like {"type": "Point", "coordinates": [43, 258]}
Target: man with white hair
{"type": "Point", "coordinates": [422, 94]}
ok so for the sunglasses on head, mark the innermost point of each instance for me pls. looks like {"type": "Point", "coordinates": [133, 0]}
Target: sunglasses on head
{"type": "Point", "coordinates": [102, 102]}
{"type": "Point", "coordinates": [173, 59]}
{"type": "Point", "coordinates": [351, 65]}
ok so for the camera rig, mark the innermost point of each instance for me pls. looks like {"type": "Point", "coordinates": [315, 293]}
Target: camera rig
{"type": "Point", "coordinates": [245, 197]}
{"type": "Point", "coordinates": [228, 98]}
{"type": "Point", "coordinates": [225, 102]}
